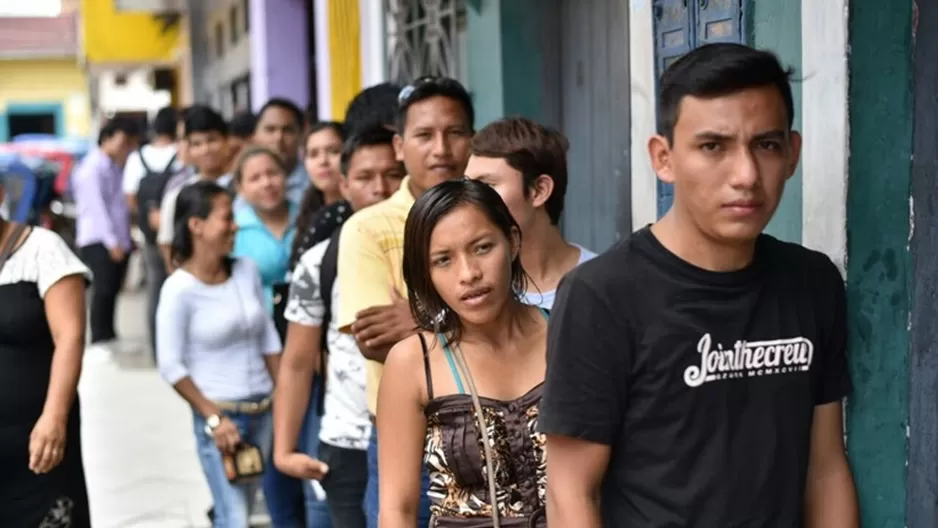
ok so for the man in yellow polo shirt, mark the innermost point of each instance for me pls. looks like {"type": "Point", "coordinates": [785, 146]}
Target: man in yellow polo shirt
{"type": "Point", "coordinates": [434, 124]}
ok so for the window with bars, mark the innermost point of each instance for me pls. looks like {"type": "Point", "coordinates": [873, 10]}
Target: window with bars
{"type": "Point", "coordinates": [683, 25]}
{"type": "Point", "coordinates": [426, 37]}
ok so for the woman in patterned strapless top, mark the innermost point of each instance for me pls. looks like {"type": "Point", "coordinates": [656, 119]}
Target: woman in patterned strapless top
{"type": "Point", "coordinates": [464, 280]}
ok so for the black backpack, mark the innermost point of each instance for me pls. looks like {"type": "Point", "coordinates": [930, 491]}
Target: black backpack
{"type": "Point", "coordinates": [150, 194]}
{"type": "Point", "coordinates": [328, 269]}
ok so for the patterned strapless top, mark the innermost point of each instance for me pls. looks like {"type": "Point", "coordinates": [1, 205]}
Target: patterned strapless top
{"type": "Point", "coordinates": [455, 460]}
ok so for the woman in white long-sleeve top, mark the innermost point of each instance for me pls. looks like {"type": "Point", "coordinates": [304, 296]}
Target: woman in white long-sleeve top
{"type": "Point", "coordinates": [216, 345]}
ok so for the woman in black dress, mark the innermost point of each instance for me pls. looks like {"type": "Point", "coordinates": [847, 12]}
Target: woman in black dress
{"type": "Point", "coordinates": [42, 335]}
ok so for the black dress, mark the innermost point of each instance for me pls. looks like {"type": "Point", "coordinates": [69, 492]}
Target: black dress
{"type": "Point", "coordinates": [57, 499]}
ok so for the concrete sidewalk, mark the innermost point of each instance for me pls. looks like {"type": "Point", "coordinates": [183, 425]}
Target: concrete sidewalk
{"type": "Point", "coordinates": [139, 451]}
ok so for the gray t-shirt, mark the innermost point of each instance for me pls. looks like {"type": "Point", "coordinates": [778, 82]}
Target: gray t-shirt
{"type": "Point", "coordinates": [545, 300]}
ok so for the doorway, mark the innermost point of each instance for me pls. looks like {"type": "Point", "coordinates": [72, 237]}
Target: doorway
{"type": "Point", "coordinates": [38, 123]}
{"type": "Point", "coordinates": [32, 118]}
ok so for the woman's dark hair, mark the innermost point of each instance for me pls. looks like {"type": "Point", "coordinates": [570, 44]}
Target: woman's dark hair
{"type": "Point", "coordinates": [429, 309]}
{"type": "Point", "coordinates": [194, 201]}
{"type": "Point", "coordinates": [312, 199]}
{"type": "Point", "coordinates": [319, 126]}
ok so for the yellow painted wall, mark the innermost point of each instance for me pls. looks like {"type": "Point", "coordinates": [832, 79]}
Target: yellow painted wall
{"type": "Point", "coordinates": [344, 54]}
{"type": "Point", "coordinates": [110, 36]}
{"type": "Point", "coordinates": [48, 81]}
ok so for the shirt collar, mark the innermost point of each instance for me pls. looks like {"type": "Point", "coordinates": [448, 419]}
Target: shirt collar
{"type": "Point", "coordinates": [403, 196]}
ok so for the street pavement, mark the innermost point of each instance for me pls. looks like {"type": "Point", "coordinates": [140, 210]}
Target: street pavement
{"type": "Point", "coordinates": [139, 451]}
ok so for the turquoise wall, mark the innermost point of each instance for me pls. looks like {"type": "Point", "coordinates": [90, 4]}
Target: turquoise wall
{"type": "Point", "coordinates": [485, 60]}
{"type": "Point", "coordinates": [776, 26]}
{"type": "Point", "coordinates": [878, 260]}
{"type": "Point", "coordinates": [505, 59]}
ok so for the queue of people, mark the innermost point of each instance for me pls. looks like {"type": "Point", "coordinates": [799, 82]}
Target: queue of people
{"type": "Point", "coordinates": [379, 322]}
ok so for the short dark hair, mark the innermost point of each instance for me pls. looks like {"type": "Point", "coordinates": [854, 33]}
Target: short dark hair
{"type": "Point", "coordinates": [429, 310]}
{"type": "Point", "coordinates": [373, 106]}
{"type": "Point", "coordinates": [164, 122]}
{"type": "Point", "coordinates": [426, 87]}
{"type": "Point", "coordinates": [204, 119]}
{"type": "Point", "coordinates": [194, 201]}
{"type": "Point", "coordinates": [116, 125]}
{"type": "Point", "coordinates": [715, 70]}
{"type": "Point", "coordinates": [369, 137]}
{"type": "Point", "coordinates": [284, 104]}
{"type": "Point", "coordinates": [531, 149]}
{"type": "Point", "coordinates": [243, 124]}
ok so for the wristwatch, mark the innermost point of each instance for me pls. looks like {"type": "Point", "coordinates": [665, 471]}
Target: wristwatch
{"type": "Point", "coordinates": [211, 423]}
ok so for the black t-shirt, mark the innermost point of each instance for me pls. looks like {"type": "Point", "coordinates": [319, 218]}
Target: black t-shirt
{"type": "Point", "coordinates": [703, 383]}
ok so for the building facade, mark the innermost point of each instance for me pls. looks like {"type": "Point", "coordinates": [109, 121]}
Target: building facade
{"type": "Point", "coordinates": [244, 52]}
{"type": "Point", "coordinates": [44, 89]}
{"type": "Point", "coordinates": [864, 192]}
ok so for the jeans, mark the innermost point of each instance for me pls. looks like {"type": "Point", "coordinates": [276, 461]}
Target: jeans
{"type": "Point", "coordinates": [108, 281]}
{"type": "Point", "coordinates": [345, 484]}
{"type": "Point", "coordinates": [289, 497]}
{"type": "Point", "coordinates": [372, 495]}
{"type": "Point", "coordinates": [156, 274]}
{"type": "Point", "coordinates": [317, 508]}
{"type": "Point", "coordinates": [232, 502]}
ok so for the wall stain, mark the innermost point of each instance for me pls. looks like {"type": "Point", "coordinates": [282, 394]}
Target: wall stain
{"type": "Point", "coordinates": [889, 262]}
{"type": "Point", "coordinates": [871, 260]}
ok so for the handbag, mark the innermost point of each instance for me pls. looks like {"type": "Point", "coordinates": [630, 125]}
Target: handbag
{"type": "Point", "coordinates": [281, 292]}
{"type": "Point", "coordinates": [247, 462]}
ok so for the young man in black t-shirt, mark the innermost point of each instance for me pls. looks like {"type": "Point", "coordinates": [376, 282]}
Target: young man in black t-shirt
{"type": "Point", "coordinates": [696, 370]}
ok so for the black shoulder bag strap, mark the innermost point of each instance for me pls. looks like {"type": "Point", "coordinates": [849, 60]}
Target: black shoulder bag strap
{"type": "Point", "coordinates": [328, 269]}
{"type": "Point", "coordinates": [10, 245]}
{"type": "Point", "coordinates": [143, 162]}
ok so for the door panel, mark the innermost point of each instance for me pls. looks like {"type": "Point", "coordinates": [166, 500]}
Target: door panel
{"type": "Point", "coordinates": [683, 25]}
{"type": "Point", "coordinates": [594, 77]}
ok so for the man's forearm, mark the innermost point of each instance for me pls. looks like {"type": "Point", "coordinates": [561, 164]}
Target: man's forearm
{"type": "Point", "coordinates": [831, 501]}
{"type": "Point", "coordinates": [565, 508]}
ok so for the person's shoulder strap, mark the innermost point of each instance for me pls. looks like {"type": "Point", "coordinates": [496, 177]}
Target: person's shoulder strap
{"type": "Point", "coordinates": [143, 160]}
{"type": "Point", "coordinates": [170, 167]}
{"type": "Point", "coordinates": [426, 365]}
{"type": "Point", "coordinates": [11, 242]}
{"type": "Point", "coordinates": [328, 270]}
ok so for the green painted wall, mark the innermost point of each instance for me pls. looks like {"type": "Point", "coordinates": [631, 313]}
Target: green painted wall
{"type": "Point", "coordinates": [776, 25]}
{"type": "Point", "coordinates": [878, 260]}
{"type": "Point", "coordinates": [522, 58]}
{"type": "Point", "coordinates": [485, 59]}
{"type": "Point", "coordinates": [505, 59]}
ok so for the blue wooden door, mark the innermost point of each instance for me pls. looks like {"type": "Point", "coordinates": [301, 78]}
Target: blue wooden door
{"type": "Point", "coordinates": [682, 25]}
